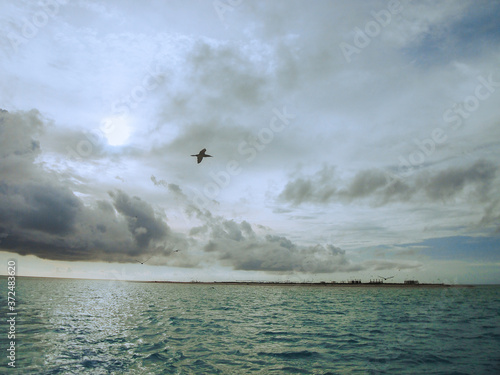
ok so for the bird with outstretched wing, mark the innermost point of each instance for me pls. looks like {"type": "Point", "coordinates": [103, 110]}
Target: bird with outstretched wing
{"type": "Point", "coordinates": [202, 154]}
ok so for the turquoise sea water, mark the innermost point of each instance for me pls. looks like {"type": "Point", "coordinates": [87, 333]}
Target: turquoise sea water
{"type": "Point", "coordinates": [111, 327]}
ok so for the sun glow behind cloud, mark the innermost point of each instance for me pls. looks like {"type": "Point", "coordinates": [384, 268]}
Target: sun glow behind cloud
{"type": "Point", "coordinates": [116, 130]}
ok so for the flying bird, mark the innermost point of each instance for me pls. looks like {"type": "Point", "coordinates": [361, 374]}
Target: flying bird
{"type": "Point", "coordinates": [144, 261]}
{"type": "Point", "coordinates": [386, 278]}
{"type": "Point", "coordinates": [202, 155]}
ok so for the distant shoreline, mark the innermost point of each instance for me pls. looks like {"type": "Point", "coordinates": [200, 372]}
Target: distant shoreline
{"type": "Point", "coordinates": [277, 283]}
{"type": "Point", "coordinates": [321, 285]}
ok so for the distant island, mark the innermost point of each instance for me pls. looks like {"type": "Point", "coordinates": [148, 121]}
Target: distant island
{"type": "Point", "coordinates": [351, 283]}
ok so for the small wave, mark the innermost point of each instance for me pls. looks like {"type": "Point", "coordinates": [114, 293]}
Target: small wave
{"type": "Point", "coordinates": [291, 354]}
{"type": "Point", "coordinates": [273, 333]}
{"type": "Point", "coordinates": [157, 357]}
{"type": "Point", "coordinates": [294, 370]}
{"type": "Point", "coordinates": [92, 363]}
{"type": "Point", "coordinates": [433, 358]}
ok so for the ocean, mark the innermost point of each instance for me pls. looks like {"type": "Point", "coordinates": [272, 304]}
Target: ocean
{"type": "Point", "coordinates": [113, 327]}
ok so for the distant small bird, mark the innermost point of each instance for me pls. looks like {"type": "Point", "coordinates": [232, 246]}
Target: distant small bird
{"type": "Point", "coordinates": [176, 250]}
{"type": "Point", "coordinates": [386, 278]}
{"type": "Point", "coordinates": [144, 261]}
{"type": "Point", "coordinates": [202, 155]}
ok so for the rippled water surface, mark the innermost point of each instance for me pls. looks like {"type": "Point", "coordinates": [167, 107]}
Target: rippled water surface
{"type": "Point", "coordinates": [110, 327]}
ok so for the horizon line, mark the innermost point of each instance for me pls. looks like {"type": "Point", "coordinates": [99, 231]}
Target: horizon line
{"type": "Point", "coordinates": [257, 282]}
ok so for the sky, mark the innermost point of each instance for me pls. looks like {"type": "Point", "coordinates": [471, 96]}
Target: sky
{"type": "Point", "coordinates": [350, 140]}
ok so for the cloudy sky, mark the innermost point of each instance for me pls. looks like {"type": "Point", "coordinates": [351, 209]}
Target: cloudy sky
{"type": "Point", "coordinates": [350, 139]}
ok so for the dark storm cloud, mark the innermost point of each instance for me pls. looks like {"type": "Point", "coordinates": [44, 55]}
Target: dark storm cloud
{"type": "Point", "coordinates": [142, 222]}
{"type": "Point", "coordinates": [380, 188]}
{"type": "Point", "coordinates": [279, 254]}
{"type": "Point", "coordinates": [28, 200]}
{"type": "Point", "coordinates": [44, 208]}
{"type": "Point", "coordinates": [43, 220]}
{"type": "Point", "coordinates": [449, 183]}
{"type": "Point", "coordinates": [41, 215]}
{"type": "Point", "coordinates": [49, 221]}
{"type": "Point", "coordinates": [237, 245]}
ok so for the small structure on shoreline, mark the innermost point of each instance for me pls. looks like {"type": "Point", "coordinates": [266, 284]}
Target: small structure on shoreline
{"type": "Point", "coordinates": [411, 282]}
